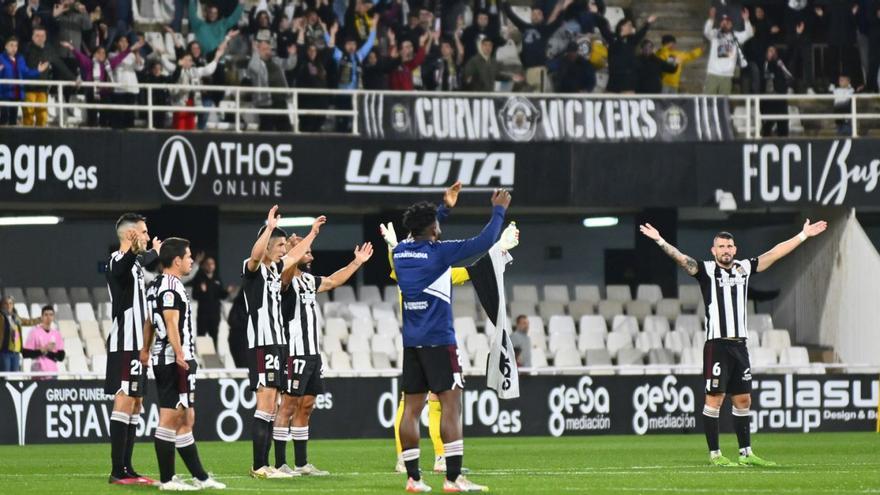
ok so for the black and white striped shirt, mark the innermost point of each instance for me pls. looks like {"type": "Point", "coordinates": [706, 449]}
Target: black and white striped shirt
{"type": "Point", "coordinates": [301, 314]}
{"type": "Point", "coordinates": [262, 298]}
{"type": "Point", "coordinates": [125, 281]}
{"type": "Point", "coordinates": [726, 294]}
{"type": "Point", "coordinates": [168, 293]}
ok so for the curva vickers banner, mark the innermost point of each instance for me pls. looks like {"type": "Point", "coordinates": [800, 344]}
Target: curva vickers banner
{"type": "Point", "coordinates": [56, 411]}
{"type": "Point", "coordinates": [528, 118]}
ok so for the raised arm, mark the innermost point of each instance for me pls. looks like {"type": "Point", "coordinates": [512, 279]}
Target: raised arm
{"type": "Point", "coordinates": [259, 248]}
{"type": "Point", "coordinates": [456, 251]}
{"type": "Point", "coordinates": [782, 249]}
{"type": "Point", "coordinates": [689, 264]}
{"type": "Point", "coordinates": [361, 255]}
{"type": "Point", "coordinates": [297, 247]}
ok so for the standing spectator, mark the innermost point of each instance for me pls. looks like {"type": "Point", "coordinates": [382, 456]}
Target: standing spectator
{"type": "Point", "coordinates": [868, 18]}
{"type": "Point", "coordinates": [843, 94]}
{"type": "Point", "coordinates": [208, 290]}
{"type": "Point", "coordinates": [724, 52]}
{"type": "Point", "coordinates": [446, 74]}
{"type": "Point", "coordinates": [44, 344]}
{"type": "Point", "coordinates": [622, 45]}
{"type": "Point", "coordinates": [212, 30]}
{"type": "Point", "coordinates": [842, 57]}
{"type": "Point", "coordinates": [314, 30]}
{"type": "Point", "coordinates": [39, 51]}
{"type": "Point", "coordinates": [522, 344]}
{"type": "Point", "coordinates": [576, 74]}
{"type": "Point", "coordinates": [161, 97]}
{"type": "Point", "coordinates": [669, 52]}
{"type": "Point", "coordinates": [10, 334]}
{"type": "Point", "coordinates": [96, 68]}
{"type": "Point", "coordinates": [349, 61]}
{"type": "Point", "coordinates": [191, 75]}
{"type": "Point", "coordinates": [267, 71]}
{"type": "Point", "coordinates": [650, 68]}
{"type": "Point", "coordinates": [775, 79]}
{"type": "Point", "coordinates": [378, 67]}
{"type": "Point", "coordinates": [755, 49]}
{"type": "Point", "coordinates": [26, 18]}
{"type": "Point", "coordinates": [358, 22]}
{"type": "Point", "coordinates": [412, 31]}
{"type": "Point", "coordinates": [311, 73]}
{"type": "Point", "coordinates": [534, 41]}
{"type": "Point", "coordinates": [799, 29]}
{"type": "Point", "coordinates": [481, 72]}
{"type": "Point", "coordinates": [71, 22]}
{"type": "Point", "coordinates": [401, 79]}
{"type": "Point", "coordinates": [14, 66]}
{"type": "Point", "coordinates": [125, 74]}
{"type": "Point", "coordinates": [472, 35]}
{"type": "Point", "coordinates": [8, 19]}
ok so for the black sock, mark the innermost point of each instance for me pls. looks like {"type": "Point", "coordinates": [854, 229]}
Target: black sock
{"type": "Point", "coordinates": [164, 441]}
{"type": "Point", "coordinates": [268, 444]}
{"type": "Point", "coordinates": [261, 425]}
{"type": "Point", "coordinates": [118, 440]}
{"type": "Point", "coordinates": [129, 445]}
{"type": "Point", "coordinates": [280, 437]}
{"type": "Point", "coordinates": [411, 459]}
{"type": "Point", "coordinates": [186, 447]}
{"type": "Point", "coordinates": [454, 452]}
{"type": "Point", "coordinates": [710, 425]}
{"type": "Point", "coordinates": [300, 436]}
{"type": "Point", "coordinates": [741, 424]}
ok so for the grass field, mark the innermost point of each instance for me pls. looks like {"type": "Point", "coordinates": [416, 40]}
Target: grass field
{"type": "Point", "coordinates": [820, 463]}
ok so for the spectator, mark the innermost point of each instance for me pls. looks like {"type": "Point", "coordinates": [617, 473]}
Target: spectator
{"type": "Point", "coordinates": [841, 19]}
{"type": "Point", "coordinates": [576, 74]}
{"type": "Point", "coordinates": [474, 33]}
{"type": "Point", "coordinates": [71, 21]}
{"type": "Point", "coordinates": [377, 67]}
{"type": "Point", "coordinates": [622, 45]}
{"type": "Point", "coordinates": [412, 31]}
{"type": "Point", "coordinates": [161, 97]}
{"type": "Point", "coordinates": [799, 29]}
{"type": "Point", "coordinates": [26, 18]}
{"type": "Point", "coordinates": [96, 69]}
{"type": "Point", "coordinates": [349, 61]}
{"type": "Point", "coordinates": [14, 66]}
{"type": "Point", "coordinates": [211, 31]}
{"type": "Point", "coordinates": [401, 79]}
{"type": "Point", "coordinates": [724, 52]}
{"type": "Point", "coordinates": [311, 73]}
{"type": "Point", "coordinates": [534, 41]}
{"type": "Point", "coordinates": [669, 52]}
{"type": "Point", "coordinates": [755, 49]}
{"type": "Point", "coordinates": [44, 344]}
{"type": "Point", "coordinates": [315, 30]}
{"type": "Point", "coordinates": [868, 19]}
{"type": "Point", "coordinates": [238, 323]}
{"type": "Point", "coordinates": [481, 72]}
{"type": "Point", "coordinates": [267, 71]}
{"type": "Point", "coordinates": [522, 344]}
{"type": "Point", "coordinates": [209, 291]}
{"type": "Point", "coordinates": [125, 74]}
{"type": "Point", "coordinates": [39, 51]}
{"type": "Point", "coordinates": [446, 74]}
{"type": "Point", "coordinates": [775, 79]}
{"type": "Point", "coordinates": [358, 24]}
{"type": "Point", "coordinates": [650, 68]}
{"type": "Point", "coordinates": [192, 75]}
{"type": "Point", "coordinates": [10, 333]}
{"type": "Point", "coordinates": [843, 94]}
{"type": "Point", "coordinates": [8, 19]}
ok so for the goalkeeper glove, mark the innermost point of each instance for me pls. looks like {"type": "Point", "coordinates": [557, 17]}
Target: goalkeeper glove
{"type": "Point", "coordinates": [510, 237]}
{"type": "Point", "coordinates": [388, 234]}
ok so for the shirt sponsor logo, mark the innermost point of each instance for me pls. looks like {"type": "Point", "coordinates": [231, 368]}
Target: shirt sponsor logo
{"type": "Point", "coordinates": [415, 305]}
{"type": "Point", "coordinates": [411, 254]}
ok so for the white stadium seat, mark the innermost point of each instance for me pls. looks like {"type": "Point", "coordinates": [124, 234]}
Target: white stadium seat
{"type": "Point", "coordinates": [561, 324]}
{"type": "Point", "coordinates": [548, 309]}
{"type": "Point", "coordinates": [556, 293]}
{"type": "Point", "coordinates": [336, 327]}
{"type": "Point", "coordinates": [370, 294]}
{"type": "Point", "coordinates": [476, 342]}
{"type": "Point", "coordinates": [620, 293]}
{"type": "Point", "coordinates": [639, 309]}
{"type": "Point", "coordinates": [591, 338]}
{"type": "Point", "coordinates": [522, 308]}
{"type": "Point", "coordinates": [561, 341]}
{"type": "Point", "coordinates": [577, 309]}
{"type": "Point", "coordinates": [528, 293]}
{"type": "Point", "coordinates": [777, 340]}
{"type": "Point", "coordinates": [361, 361]}
{"type": "Point", "coordinates": [539, 358]}
{"type": "Point", "coordinates": [567, 357]}
{"type": "Point", "coordinates": [362, 326]}
{"type": "Point", "coordinates": [677, 341]}
{"type": "Point", "coordinates": [656, 324]}
{"type": "Point", "coordinates": [690, 296]}
{"type": "Point", "coordinates": [668, 308]}
{"type": "Point", "coordinates": [617, 341]}
{"type": "Point", "coordinates": [626, 323]}
{"type": "Point", "coordinates": [344, 294]}
{"type": "Point", "coordinates": [84, 312]}
{"type": "Point", "coordinates": [648, 341]}
{"type": "Point", "coordinates": [339, 361]}
{"type": "Point", "coordinates": [610, 309]}
{"type": "Point", "coordinates": [587, 293]}
{"type": "Point", "coordinates": [649, 292]}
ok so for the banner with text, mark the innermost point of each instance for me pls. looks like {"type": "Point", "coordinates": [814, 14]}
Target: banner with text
{"type": "Point", "coordinates": [55, 411]}
{"type": "Point", "coordinates": [528, 118]}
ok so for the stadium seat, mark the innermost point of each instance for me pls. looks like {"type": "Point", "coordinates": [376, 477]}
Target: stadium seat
{"type": "Point", "coordinates": [762, 357]}
{"type": "Point", "coordinates": [538, 339]}
{"type": "Point", "coordinates": [577, 309]}
{"type": "Point", "coordinates": [384, 311]}
{"type": "Point", "coordinates": [536, 324]}
{"type": "Point", "coordinates": [99, 364]}
{"type": "Point", "coordinates": [777, 340]}
{"type": "Point", "coordinates": [322, 298]}
{"type": "Point", "coordinates": [556, 293]}
{"type": "Point", "coordinates": [587, 293]}
{"type": "Point", "coordinates": [677, 341]}
{"type": "Point", "coordinates": [691, 356]}
{"type": "Point", "coordinates": [648, 341]}
{"type": "Point", "coordinates": [360, 310]}
{"type": "Point", "coordinates": [77, 364]}
{"type": "Point", "coordinates": [464, 357]}
{"type": "Point", "coordinates": [760, 323]}
{"type": "Point", "coordinates": [90, 330]}
{"type": "Point", "coordinates": [620, 293]}
{"type": "Point", "coordinates": [385, 344]}
{"type": "Point", "coordinates": [336, 310]}
{"type": "Point", "coordinates": [58, 295]}
{"type": "Point", "coordinates": [593, 321]}
{"type": "Point", "coordinates": [381, 360]}
{"type": "Point", "coordinates": [339, 361]}
{"type": "Point", "coordinates": [63, 311]}
{"type": "Point", "coordinates": [566, 358]}
{"type": "Point", "coordinates": [387, 326]}
{"type": "Point", "coordinates": [17, 294]}
{"type": "Point", "coordinates": [525, 293]}
{"type": "Point", "coordinates": [84, 312]}
{"type": "Point", "coordinates": [464, 293]}
{"type": "Point", "coordinates": [561, 324]}
{"type": "Point", "coordinates": [796, 356]}
{"type": "Point", "coordinates": [370, 294]}
{"type": "Point", "coordinates": [669, 309]}
{"type": "Point", "coordinates": [591, 337]}
{"type": "Point", "coordinates": [100, 294]}
{"type": "Point", "coordinates": [205, 346]}
{"type": "Point", "coordinates": [690, 296]}
{"type": "Point", "coordinates": [336, 327]}
{"type": "Point", "coordinates": [610, 309]}
{"type": "Point", "coordinates": [464, 326]}
{"type": "Point", "coordinates": [344, 294]}
{"type": "Point", "coordinates": [476, 341]}
{"type": "Point", "coordinates": [358, 343]}
{"type": "Point", "coordinates": [37, 295]}
{"type": "Point", "coordinates": [22, 310]}
{"type": "Point", "coordinates": [660, 356]}
{"type": "Point", "coordinates": [597, 357]}
{"type": "Point", "coordinates": [36, 309]}
{"type": "Point", "coordinates": [68, 328]}
{"type": "Point", "coordinates": [481, 359]}
{"type": "Point", "coordinates": [689, 323]}
{"type": "Point", "coordinates": [331, 343]}
{"type": "Point", "coordinates": [73, 346]}
{"type": "Point", "coordinates": [361, 361]}
{"type": "Point", "coordinates": [656, 324]}
{"type": "Point", "coordinates": [95, 347]}
{"type": "Point", "coordinates": [561, 341]}
{"type": "Point", "coordinates": [639, 309]}
{"type": "Point", "coordinates": [464, 309]}
{"type": "Point", "coordinates": [549, 309]}
{"type": "Point", "coordinates": [617, 341]}
{"type": "Point", "coordinates": [539, 358]}
{"type": "Point", "coordinates": [649, 292]}
{"type": "Point", "coordinates": [362, 326]}
{"type": "Point", "coordinates": [391, 293]}
{"type": "Point", "coordinates": [106, 325]}
{"type": "Point", "coordinates": [630, 356]}
{"type": "Point", "coordinates": [522, 308]}
{"type": "Point", "coordinates": [625, 323]}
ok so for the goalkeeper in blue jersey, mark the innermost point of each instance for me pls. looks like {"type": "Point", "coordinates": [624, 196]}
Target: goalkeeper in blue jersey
{"type": "Point", "coordinates": [423, 265]}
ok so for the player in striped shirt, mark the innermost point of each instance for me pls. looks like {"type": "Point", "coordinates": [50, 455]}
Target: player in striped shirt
{"type": "Point", "coordinates": [304, 366]}
{"type": "Point", "coordinates": [173, 358]}
{"type": "Point", "coordinates": [724, 283]}
{"type": "Point", "coordinates": [126, 379]}
{"type": "Point", "coordinates": [267, 337]}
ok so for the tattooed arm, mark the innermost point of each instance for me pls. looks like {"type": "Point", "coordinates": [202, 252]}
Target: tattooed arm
{"type": "Point", "coordinates": [689, 264]}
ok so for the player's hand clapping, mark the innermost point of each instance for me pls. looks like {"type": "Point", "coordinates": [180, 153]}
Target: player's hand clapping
{"type": "Point", "coordinates": [501, 197]}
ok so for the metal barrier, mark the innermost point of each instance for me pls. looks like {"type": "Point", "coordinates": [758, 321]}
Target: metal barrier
{"type": "Point", "coordinates": [750, 122]}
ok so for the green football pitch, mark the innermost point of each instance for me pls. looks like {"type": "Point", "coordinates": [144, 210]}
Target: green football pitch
{"type": "Point", "coordinates": [840, 463]}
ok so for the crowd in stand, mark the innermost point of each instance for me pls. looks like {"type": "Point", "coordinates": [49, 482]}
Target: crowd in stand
{"type": "Point", "coordinates": [564, 46]}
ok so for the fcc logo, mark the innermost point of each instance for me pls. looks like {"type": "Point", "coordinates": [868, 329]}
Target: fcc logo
{"type": "Point", "coordinates": [178, 168]}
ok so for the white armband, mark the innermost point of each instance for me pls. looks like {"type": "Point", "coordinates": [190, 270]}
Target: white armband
{"type": "Point", "coordinates": [802, 236]}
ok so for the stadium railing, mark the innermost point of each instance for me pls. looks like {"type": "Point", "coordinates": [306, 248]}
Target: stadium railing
{"type": "Point", "coordinates": [748, 123]}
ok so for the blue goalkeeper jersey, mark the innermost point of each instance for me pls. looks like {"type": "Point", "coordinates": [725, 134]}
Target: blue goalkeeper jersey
{"type": "Point", "coordinates": [424, 275]}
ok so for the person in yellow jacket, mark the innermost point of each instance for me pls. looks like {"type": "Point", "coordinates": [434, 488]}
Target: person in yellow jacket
{"type": "Point", "coordinates": [669, 52]}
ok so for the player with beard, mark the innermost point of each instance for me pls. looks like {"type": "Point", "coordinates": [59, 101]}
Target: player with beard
{"type": "Point", "coordinates": [304, 366]}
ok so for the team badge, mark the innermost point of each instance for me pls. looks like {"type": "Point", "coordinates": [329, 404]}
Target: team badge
{"type": "Point", "coordinates": [519, 118]}
{"type": "Point", "coordinates": [674, 120]}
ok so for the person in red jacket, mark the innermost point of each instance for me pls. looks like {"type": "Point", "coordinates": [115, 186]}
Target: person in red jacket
{"type": "Point", "coordinates": [401, 79]}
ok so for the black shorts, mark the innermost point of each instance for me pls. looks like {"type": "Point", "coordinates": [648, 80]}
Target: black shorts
{"type": "Point", "coordinates": [726, 367]}
{"type": "Point", "coordinates": [304, 376]}
{"type": "Point", "coordinates": [436, 369]}
{"type": "Point", "coordinates": [125, 374]}
{"type": "Point", "coordinates": [267, 367]}
{"type": "Point", "coordinates": [176, 387]}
